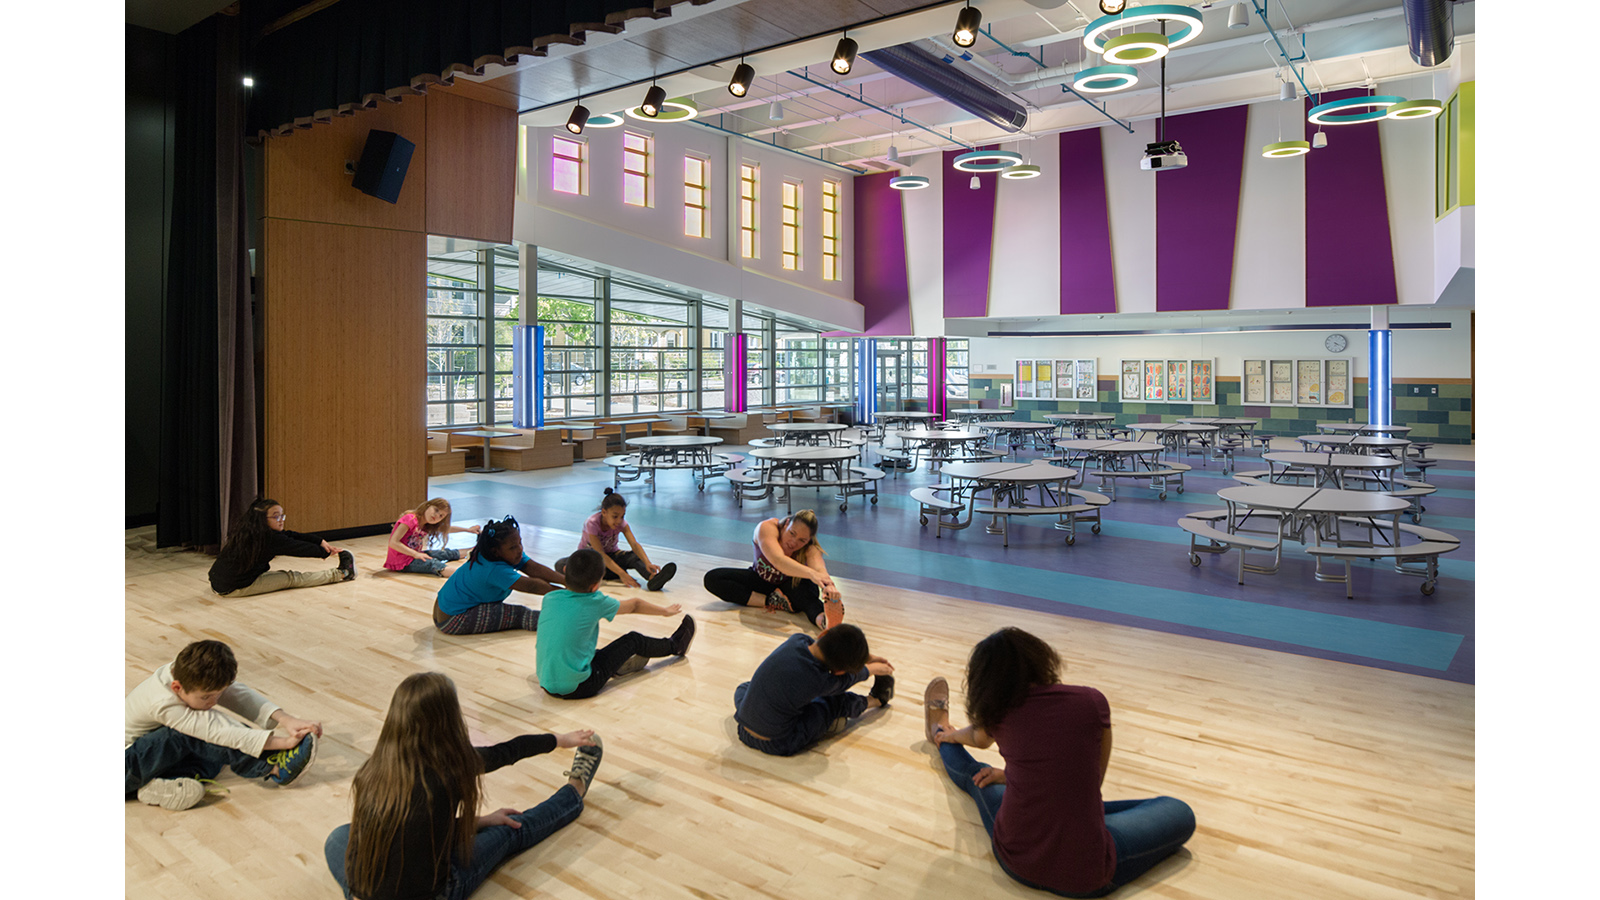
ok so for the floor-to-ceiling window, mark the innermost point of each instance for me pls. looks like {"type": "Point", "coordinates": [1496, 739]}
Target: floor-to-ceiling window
{"type": "Point", "coordinates": [650, 352]}
{"type": "Point", "coordinates": [838, 369]}
{"type": "Point", "coordinates": [571, 306]}
{"type": "Point", "coordinates": [713, 348]}
{"type": "Point", "coordinates": [797, 376]}
{"type": "Point", "coordinates": [471, 307]}
{"type": "Point", "coordinates": [758, 359]}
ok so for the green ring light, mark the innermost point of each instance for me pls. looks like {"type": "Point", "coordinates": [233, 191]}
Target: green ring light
{"type": "Point", "coordinates": [1329, 113]}
{"type": "Point", "coordinates": [1104, 79]}
{"type": "Point", "coordinates": [1285, 149]}
{"type": "Point", "coordinates": [1094, 35]}
{"type": "Point", "coordinates": [1018, 173]}
{"type": "Point", "coordinates": [1139, 47]}
{"type": "Point", "coordinates": [1415, 109]}
{"type": "Point", "coordinates": [988, 160]}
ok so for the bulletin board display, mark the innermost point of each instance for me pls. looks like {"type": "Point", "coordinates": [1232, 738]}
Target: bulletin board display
{"type": "Point", "coordinates": [1056, 379]}
{"type": "Point", "coordinates": [1299, 382]}
{"type": "Point", "coordinates": [1169, 380]}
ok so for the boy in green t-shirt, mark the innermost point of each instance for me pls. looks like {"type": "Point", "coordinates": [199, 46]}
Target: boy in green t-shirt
{"type": "Point", "coordinates": [567, 662]}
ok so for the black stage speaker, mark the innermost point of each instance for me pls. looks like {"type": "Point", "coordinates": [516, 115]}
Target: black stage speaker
{"type": "Point", "coordinates": [382, 169]}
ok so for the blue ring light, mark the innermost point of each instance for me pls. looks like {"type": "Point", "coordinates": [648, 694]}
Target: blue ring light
{"type": "Point", "coordinates": [1324, 113]}
{"type": "Point", "coordinates": [1094, 37]}
{"type": "Point", "coordinates": [988, 160]}
{"type": "Point", "coordinates": [908, 182]}
{"type": "Point", "coordinates": [1104, 79]}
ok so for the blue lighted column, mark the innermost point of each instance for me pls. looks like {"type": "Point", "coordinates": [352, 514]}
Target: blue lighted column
{"type": "Point", "coordinates": [527, 376]}
{"type": "Point", "coordinates": [866, 381]}
{"type": "Point", "coordinates": [1380, 400]}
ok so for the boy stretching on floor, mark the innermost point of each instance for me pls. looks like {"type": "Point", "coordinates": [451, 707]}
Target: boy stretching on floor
{"type": "Point", "coordinates": [174, 729]}
{"type": "Point", "coordinates": [801, 691]}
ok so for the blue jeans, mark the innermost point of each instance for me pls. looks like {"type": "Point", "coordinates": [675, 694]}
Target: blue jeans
{"type": "Point", "coordinates": [165, 753]}
{"type": "Point", "coordinates": [492, 846]}
{"type": "Point", "coordinates": [808, 728]}
{"type": "Point", "coordinates": [434, 564]}
{"type": "Point", "coordinates": [1144, 831]}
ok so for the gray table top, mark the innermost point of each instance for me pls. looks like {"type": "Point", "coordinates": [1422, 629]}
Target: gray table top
{"type": "Point", "coordinates": [1331, 460]}
{"type": "Point", "coordinates": [1182, 427]}
{"type": "Point", "coordinates": [935, 434]}
{"type": "Point", "coordinates": [487, 434]}
{"type": "Point", "coordinates": [1353, 440]}
{"type": "Point", "coordinates": [1364, 429]}
{"type": "Point", "coordinates": [1079, 417]}
{"type": "Point", "coordinates": [1093, 445]}
{"type": "Point", "coordinates": [674, 440]}
{"type": "Point", "coordinates": [807, 426]}
{"type": "Point", "coordinates": [814, 454]}
{"type": "Point", "coordinates": [1006, 471]}
{"type": "Point", "coordinates": [981, 413]}
{"type": "Point", "coordinates": [1018, 426]}
{"type": "Point", "coordinates": [908, 415]}
{"type": "Point", "coordinates": [1220, 421]}
{"type": "Point", "coordinates": [1314, 500]}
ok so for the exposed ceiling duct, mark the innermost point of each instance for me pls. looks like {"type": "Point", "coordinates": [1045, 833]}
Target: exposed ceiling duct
{"type": "Point", "coordinates": [932, 74]}
{"type": "Point", "coordinates": [1430, 31]}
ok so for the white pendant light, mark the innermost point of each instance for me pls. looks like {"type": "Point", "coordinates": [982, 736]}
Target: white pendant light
{"type": "Point", "coordinates": [776, 112]}
{"type": "Point", "coordinates": [894, 153]}
{"type": "Point", "coordinates": [975, 183]}
{"type": "Point", "coordinates": [1319, 140]}
{"type": "Point", "coordinates": [1238, 17]}
{"type": "Point", "coordinates": [1287, 91]}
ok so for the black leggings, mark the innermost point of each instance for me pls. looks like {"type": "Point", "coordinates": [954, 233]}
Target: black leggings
{"type": "Point", "coordinates": [625, 560]}
{"type": "Point", "coordinates": [736, 585]}
{"type": "Point", "coordinates": [608, 659]}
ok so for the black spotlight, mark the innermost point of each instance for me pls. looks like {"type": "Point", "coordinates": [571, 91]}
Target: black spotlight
{"type": "Point", "coordinates": [742, 76]}
{"type": "Point", "coordinates": [844, 56]}
{"type": "Point", "coordinates": [653, 99]}
{"type": "Point", "coordinates": [579, 118]}
{"type": "Point", "coordinates": [967, 23]}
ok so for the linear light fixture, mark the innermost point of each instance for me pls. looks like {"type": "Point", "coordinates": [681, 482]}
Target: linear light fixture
{"type": "Point", "coordinates": [967, 22]}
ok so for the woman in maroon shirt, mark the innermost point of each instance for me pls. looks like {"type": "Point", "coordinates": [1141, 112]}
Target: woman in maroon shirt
{"type": "Point", "coordinates": [1043, 811]}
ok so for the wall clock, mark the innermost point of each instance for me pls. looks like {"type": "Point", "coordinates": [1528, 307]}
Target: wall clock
{"type": "Point", "coordinates": [1336, 343]}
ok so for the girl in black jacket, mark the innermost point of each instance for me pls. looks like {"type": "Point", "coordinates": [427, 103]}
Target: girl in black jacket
{"type": "Point", "coordinates": [258, 536]}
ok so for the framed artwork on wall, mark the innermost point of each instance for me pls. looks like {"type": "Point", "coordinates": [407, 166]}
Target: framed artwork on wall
{"type": "Point", "coordinates": [1202, 373]}
{"type": "Point", "coordinates": [1155, 380]}
{"type": "Point", "coordinates": [1255, 381]}
{"type": "Point", "coordinates": [1178, 380]}
{"type": "Point", "coordinates": [1132, 383]}
{"type": "Point", "coordinates": [1338, 382]}
{"type": "Point", "coordinates": [1086, 378]}
{"type": "Point", "coordinates": [1299, 382]}
{"type": "Point", "coordinates": [1024, 379]}
{"type": "Point", "coordinates": [1282, 371]}
{"type": "Point", "coordinates": [1044, 382]}
{"type": "Point", "coordinates": [1308, 382]}
{"type": "Point", "coordinates": [1064, 373]}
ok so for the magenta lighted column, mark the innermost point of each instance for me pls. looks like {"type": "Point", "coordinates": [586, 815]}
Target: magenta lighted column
{"type": "Point", "coordinates": [938, 404]}
{"type": "Point", "coordinates": [736, 392]}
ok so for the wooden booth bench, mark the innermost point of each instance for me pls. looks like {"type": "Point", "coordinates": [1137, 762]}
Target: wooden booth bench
{"type": "Point", "coordinates": [442, 458]}
{"type": "Point", "coordinates": [521, 450]}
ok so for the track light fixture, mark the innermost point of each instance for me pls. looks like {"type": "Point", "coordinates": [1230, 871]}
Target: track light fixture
{"type": "Point", "coordinates": [1112, 7]}
{"type": "Point", "coordinates": [967, 22]}
{"type": "Point", "coordinates": [578, 119]}
{"type": "Point", "coordinates": [653, 99]}
{"type": "Point", "coordinates": [742, 76]}
{"type": "Point", "coordinates": [844, 56]}
{"type": "Point", "coordinates": [1238, 17]}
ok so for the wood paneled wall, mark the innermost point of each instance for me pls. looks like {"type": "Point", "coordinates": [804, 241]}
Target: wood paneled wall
{"type": "Point", "coordinates": [342, 293]}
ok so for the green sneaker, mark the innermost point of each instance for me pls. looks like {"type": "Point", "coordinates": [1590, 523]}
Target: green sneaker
{"type": "Point", "coordinates": [293, 763]}
{"type": "Point", "coordinates": [172, 793]}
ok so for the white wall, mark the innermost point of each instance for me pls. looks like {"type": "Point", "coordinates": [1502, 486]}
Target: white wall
{"type": "Point", "coordinates": [924, 222]}
{"type": "Point", "coordinates": [1269, 261]}
{"type": "Point", "coordinates": [1026, 273]}
{"type": "Point", "coordinates": [598, 226]}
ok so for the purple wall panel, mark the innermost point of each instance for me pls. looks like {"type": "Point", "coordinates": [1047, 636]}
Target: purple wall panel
{"type": "Point", "coordinates": [1087, 282]}
{"type": "Point", "coordinates": [1197, 210]}
{"type": "Point", "coordinates": [1349, 255]}
{"type": "Point", "coordinates": [968, 238]}
{"type": "Point", "coordinates": [883, 284]}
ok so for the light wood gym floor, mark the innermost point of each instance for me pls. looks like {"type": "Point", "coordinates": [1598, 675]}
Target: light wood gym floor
{"type": "Point", "coordinates": [1309, 778]}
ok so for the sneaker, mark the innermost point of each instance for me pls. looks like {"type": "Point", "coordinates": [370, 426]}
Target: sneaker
{"type": "Point", "coordinates": [935, 706]}
{"type": "Point", "coordinates": [172, 793]}
{"type": "Point", "coordinates": [837, 725]}
{"type": "Point", "coordinates": [832, 613]}
{"type": "Point", "coordinates": [882, 688]}
{"type": "Point", "coordinates": [683, 637]}
{"type": "Point", "coordinates": [347, 564]}
{"type": "Point", "coordinates": [293, 763]}
{"type": "Point", "coordinates": [661, 577]}
{"type": "Point", "coordinates": [584, 763]}
{"type": "Point", "coordinates": [777, 602]}
{"type": "Point", "coordinates": [631, 665]}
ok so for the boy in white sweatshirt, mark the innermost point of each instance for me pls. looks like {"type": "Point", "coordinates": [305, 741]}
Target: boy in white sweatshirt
{"type": "Point", "coordinates": [176, 736]}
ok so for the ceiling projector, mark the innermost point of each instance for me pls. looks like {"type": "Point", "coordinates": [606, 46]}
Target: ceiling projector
{"type": "Point", "coordinates": [1163, 155]}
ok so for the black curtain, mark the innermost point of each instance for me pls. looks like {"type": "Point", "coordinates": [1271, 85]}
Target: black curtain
{"type": "Point", "coordinates": [355, 53]}
{"type": "Point", "coordinates": [208, 410]}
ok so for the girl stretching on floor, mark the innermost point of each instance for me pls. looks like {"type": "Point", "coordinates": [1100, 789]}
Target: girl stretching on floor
{"type": "Point", "coordinates": [788, 574]}
{"type": "Point", "coordinates": [600, 535]}
{"type": "Point", "coordinates": [257, 536]}
{"type": "Point", "coordinates": [417, 529]}
{"type": "Point", "coordinates": [415, 829]}
{"type": "Point", "coordinates": [473, 600]}
{"type": "Point", "coordinates": [1049, 828]}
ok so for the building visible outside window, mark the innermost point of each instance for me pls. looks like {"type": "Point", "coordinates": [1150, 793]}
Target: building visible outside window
{"type": "Point", "coordinates": [838, 372]}
{"type": "Point", "coordinates": [637, 150]}
{"type": "Point", "coordinates": [648, 353]}
{"type": "Point", "coordinates": [749, 210]}
{"type": "Point", "coordinates": [569, 171]}
{"type": "Point", "coordinates": [696, 196]}
{"type": "Point", "coordinates": [571, 305]}
{"type": "Point", "coordinates": [830, 231]}
{"type": "Point", "coordinates": [955, 368]}
{"type": "Point", "coordinates": [791, 225]}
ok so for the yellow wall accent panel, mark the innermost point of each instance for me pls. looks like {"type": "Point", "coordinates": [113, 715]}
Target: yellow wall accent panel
{"type": "Point", "coordinates": [472, 148]}
{"type": "Point", "coordinates": [344, 358]}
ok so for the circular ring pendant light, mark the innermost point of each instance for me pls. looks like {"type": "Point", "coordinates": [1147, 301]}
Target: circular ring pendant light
{"type": "Point", "coordinates": [1104, 79]}
{"type": "Point", "coordinates": [1094, 37]}
{"type": "Point", "coordinates": [604, 120]}
{"type": "Point", "coordinates": [1330, 113]}
{"type": "Point", "coordinates": [1414, 109]}
{"type": "Point", "coordinates": [1284, 149]}
{"type": "Point", "coordinates": [679, 110]}
{"type": "Point", "coordinates": [1139, 47]}
{"type": "Point", "coordinates": [988, 160]}
{"type": "Point", "coordinates": [1021, 172]}
{"type": "Point", "coordinates": [908, 182]}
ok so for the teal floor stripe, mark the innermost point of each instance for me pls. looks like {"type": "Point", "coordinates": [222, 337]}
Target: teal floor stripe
{"type": "Point", "coordinates": [1339, 634]}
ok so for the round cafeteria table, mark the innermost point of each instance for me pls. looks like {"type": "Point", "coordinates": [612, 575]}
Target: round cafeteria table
{"type": "Point", "coordinates": [1079, 423]}
{"type": "Point", "coordinates": [812, 466]}
{"type": "Point", "coordinates": [1330, 468]}
{"type": "Point", "coordinates": [1017, 433]}
{"type": "Point", "coordinates": [1361, 428]}
{"type": "Point", "coordinates": [807, 432]}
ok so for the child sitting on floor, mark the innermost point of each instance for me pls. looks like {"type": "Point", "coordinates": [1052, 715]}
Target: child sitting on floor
{"type": "Point", "coordinates": [566, 660]}
{"type": "Point", "coordinates": [600, 533]}
{"type": "Point", "coordinates": [241, 568]}
{"type": "Point", "coordinates": [801, 691]}
{"type": "Point", "coordinates": [175, 736]}
{"type": "Point", "coordinates": [416, 530]}
{"type": "Point", "coordinates": [473, 600]}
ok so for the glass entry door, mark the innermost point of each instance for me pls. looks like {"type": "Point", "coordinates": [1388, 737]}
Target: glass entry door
{"type": "Point", "coordinates": [891, 381]}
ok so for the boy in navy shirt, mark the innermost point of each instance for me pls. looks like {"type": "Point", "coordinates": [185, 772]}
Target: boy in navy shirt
{"type": "Point", "coordinates": [801, 691]}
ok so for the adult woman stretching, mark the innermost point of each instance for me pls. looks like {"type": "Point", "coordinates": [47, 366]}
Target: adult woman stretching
{"type": "Point", "coordinates": [415, 829]}
{"type": "Point", "coordinates": [1048, 825]}
{"type": "Point", "coordinates": [788, 574]}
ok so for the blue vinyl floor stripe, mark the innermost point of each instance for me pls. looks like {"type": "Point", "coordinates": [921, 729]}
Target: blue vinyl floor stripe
{"type": "Point", "coordinates": [688, 530]}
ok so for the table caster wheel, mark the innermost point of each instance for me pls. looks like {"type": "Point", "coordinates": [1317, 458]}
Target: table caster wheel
{"type": "Point", "coordinates": [1163, 495]}
{"type": "Point", "coordinates": [1180, 488]}
{"type": "Point", "coordinates": [843, 507]}
{"type": "Point", "coordinates": [1071, 539]}
{"type": "Point", "coordinates": [922, 519]}
{"type": "Point", "coordinates": [1416, 519]}
{"type": "Point", "coordinates": [1427, 587]}
{"type": "Point", "coordinates": [1194, 559]}
{"type": "Point", "coordinates": [1095, 529]}
{"type": "Point", "coordinates": [874, 501]}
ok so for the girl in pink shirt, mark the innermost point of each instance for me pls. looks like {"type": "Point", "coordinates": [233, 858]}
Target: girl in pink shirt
{"type": "Point", "coordinates": [600, 533]}
{"type": "Point", "coordinates": [409, 543]}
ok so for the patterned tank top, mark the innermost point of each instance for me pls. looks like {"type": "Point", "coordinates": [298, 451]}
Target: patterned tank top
{"type": "Point", "coordinates": [763, 568]}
